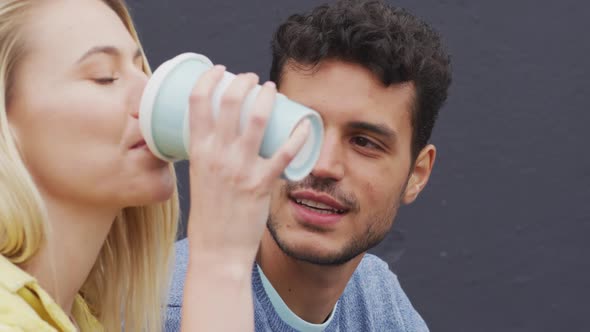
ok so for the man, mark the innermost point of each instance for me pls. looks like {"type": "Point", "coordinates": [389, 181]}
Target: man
{"type": "Point", "coordinates": [378, 76]}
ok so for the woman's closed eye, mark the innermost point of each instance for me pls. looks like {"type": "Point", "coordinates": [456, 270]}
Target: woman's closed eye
{"type": "Point", "coordinates": [105, 80]}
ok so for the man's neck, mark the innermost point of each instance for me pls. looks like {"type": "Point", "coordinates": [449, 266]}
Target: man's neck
{"type": "Point", "coordinates": [310, 291]}
{"type": "Point", "coordinates": [74, 239]}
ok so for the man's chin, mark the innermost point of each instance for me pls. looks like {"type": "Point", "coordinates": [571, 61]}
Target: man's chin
{"type": "Point", "coordinates": [307, 249]}
{"type": "Point", "coordinates": [320, 259]}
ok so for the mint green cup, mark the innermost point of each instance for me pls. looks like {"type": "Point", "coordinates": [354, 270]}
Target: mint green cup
{"type": "Point", "coordinates": [163, 115]}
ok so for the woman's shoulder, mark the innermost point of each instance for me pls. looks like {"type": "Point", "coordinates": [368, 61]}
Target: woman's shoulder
{"type": "Point", "coordinates": [16, 314]}
{"type": "Point", "coordinates": [20, 305]}
{"type": "Point", "coordinates": [12, 278]}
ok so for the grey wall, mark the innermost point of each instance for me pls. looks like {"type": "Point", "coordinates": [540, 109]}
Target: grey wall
{"type": "Point", "coordinates": [497, 242]}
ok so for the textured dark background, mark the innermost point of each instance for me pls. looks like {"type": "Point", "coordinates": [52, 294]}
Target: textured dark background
{"type": "Point", "coordinates": [497, 242]}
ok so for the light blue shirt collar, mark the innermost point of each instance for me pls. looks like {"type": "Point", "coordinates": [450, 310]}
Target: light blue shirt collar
{"type": "Point", "coordinates": [288, 316]}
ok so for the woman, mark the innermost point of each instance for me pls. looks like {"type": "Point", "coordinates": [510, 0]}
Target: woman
{"type": "Point", "coordinates": [87, 214]}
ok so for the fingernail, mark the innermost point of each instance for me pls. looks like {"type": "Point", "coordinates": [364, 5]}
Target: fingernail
{"type": "Point", "coordinates": [305, 124]}
{"type": "Point", "coordinates": [270, 84]}
{"type": "Point", "coordinates": [220, 67]}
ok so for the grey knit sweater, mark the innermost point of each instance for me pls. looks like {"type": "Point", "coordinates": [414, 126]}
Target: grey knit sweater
{"type": "Point", "coordinates": [372, 301]}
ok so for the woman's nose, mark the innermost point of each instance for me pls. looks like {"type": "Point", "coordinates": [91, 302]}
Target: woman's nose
{"type": "Point", "coordinates": [139, 80]}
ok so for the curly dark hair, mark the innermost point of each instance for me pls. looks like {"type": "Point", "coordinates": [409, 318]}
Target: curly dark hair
{"type": "Point", "coordinates": [391, 42]}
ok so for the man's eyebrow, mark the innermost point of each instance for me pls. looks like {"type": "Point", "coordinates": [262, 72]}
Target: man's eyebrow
{"type": "Point", "coordinates": [109, 50]}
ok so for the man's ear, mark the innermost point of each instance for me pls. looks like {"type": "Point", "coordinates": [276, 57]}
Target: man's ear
{"type": "Point", "coordinates": [420, 174]}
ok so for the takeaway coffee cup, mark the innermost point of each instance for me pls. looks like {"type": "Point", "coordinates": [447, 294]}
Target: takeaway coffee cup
{"type": "Point", "coordinates": [164, 116]}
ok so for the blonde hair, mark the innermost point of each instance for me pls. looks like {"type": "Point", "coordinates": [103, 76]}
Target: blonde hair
{"type": "Point", "coordinates": [129, 282]}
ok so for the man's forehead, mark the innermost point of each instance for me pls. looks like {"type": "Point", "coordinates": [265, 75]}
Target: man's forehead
{"type": "Point", "coordinates": [343, 87]}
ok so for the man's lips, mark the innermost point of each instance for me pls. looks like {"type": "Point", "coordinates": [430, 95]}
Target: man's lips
{"type": "Point", "coordinates": [318, 201]}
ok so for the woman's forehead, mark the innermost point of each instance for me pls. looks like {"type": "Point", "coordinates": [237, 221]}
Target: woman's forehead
{"type": "Point", "coordinates": [71, 27]}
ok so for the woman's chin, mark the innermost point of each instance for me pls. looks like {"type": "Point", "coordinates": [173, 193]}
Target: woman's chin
{"type": "Point", "coordinates": [152, 192]}
{"type": "Point", "coordinates": [149, 198]}
{"type": "Point", "coordinates": [163, 195]}
{"type": "Point", "coordinates": [162, 192]}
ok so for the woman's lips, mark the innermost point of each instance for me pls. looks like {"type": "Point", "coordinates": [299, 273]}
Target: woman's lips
{"type": "Point", "coordinates": [139, 145]}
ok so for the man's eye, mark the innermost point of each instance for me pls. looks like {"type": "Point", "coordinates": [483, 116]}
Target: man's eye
{"type": "Point", "coordinates": [364, 142]}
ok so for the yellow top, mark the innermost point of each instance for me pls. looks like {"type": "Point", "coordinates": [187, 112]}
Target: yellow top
{"type": "Point", "coordinates": [25, 306]}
